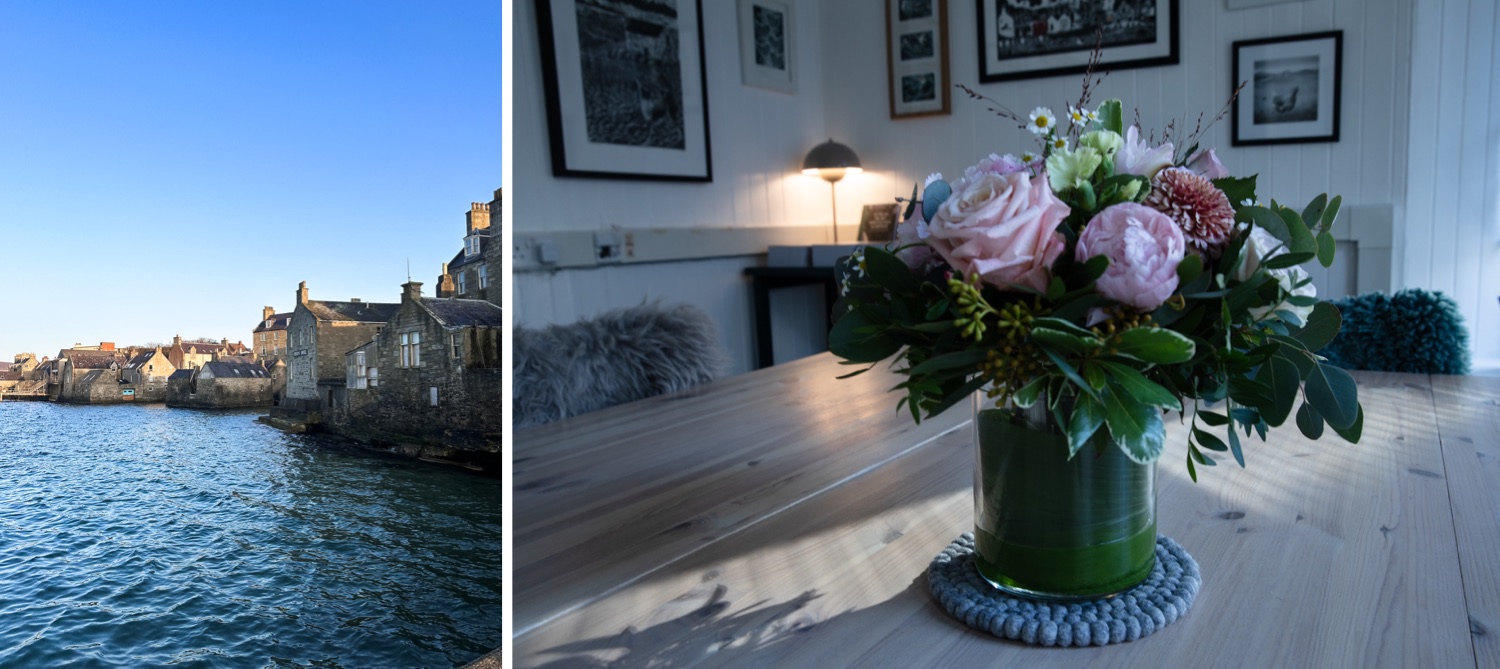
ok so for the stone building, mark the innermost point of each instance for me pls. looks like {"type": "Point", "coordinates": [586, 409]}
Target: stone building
{"type": "Point", "coordinates": [430, 381]}
{"type": "Point", "coordinates": [268, 340]}
{"type": "Point", "coordinates": [319, 333]}
{"type": "Point", "coordinates": [148, 371]}
{"type": "Point", "coordinates": [190, 354]}
{"type": "Point", "coordinates": [474, 272]}
{"type": "Point", "coordinates": [221, 384]}
{"type": "Point", "coordinates": [89, 376]}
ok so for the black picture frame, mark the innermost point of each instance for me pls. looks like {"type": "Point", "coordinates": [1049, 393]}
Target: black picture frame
{"type": "Point", "coordinates": [1051, 42]}
{"type": "Point", "coordinates": [1278, 72]}
{"type": "Point", "coordinates": [916, 58]}
{"type": "Point", "coordinates": [626, 95]}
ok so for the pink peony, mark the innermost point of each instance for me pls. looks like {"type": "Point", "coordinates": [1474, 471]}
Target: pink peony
{"type": "Point", "coordinates": [1143, 247]}
{"type": "Point", "coordinates": [1003, 227]}
{"type": "Point", "coordinates": [1206, 163]}
{"type": "Point", "coordinates": [1135, 157]}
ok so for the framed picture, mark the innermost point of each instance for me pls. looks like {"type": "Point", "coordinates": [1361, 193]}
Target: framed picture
{"type": "Point", "coordinates": [1029, 40]}
{"type": "Point", "coordinates": [767, 45]}
{"type": "Point", "coordinates": [626, 92]}
{"type": "Point", "coordinates": [1291, 90]}
{"type": "Point", "coordinates": [916, 56]}
{"type": "Point", "coordinates": [878, 222]}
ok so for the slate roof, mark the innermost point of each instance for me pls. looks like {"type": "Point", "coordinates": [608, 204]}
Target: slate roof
{"type": "Point", "coordinates": [141, 358]}
{"type": "Point", "coordinates": [229, 370]}
{"type": "Point", "coordinates": [92, 359]}
{"type": "Point", "coordinates": [10, 376]}
{"type": "Point", "coordinates": [92, 376]}
{"type": "Point", "coordinates": [362, 312]}
{"type": "Point", "coordinates": [460, 260]}
{"type": "Point", "coordinates": [454, 313]}
{"type": "Point", "coordinates": [4, 366]}
{"type": "Point", "coordinates": [275, 322]}
{"type": "Point", "coordinates": [183, 374]}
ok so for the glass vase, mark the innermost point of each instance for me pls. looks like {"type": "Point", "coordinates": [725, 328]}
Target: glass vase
{"type": "Point", "coordinates": [1050, 527]}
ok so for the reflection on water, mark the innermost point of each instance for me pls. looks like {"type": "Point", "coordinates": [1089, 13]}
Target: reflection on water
{"type": "Point", "coordinates": [137, 536]}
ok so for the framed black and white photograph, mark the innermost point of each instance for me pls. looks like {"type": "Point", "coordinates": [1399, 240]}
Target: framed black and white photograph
{"type": "Point", "coordinates": [625, 87]}
{"type": "Point", "coordinates": [916, 34]}
{"type": "Point", "coordinates": [767, 49]}
{"type": "Point", "coordinates": [1021, 39]}
{"type": "Point", "coordinates": [1291, 90]}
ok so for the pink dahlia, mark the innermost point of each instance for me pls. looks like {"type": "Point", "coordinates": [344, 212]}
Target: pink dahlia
{"type": "Point", "coordinates": [1199, 208]}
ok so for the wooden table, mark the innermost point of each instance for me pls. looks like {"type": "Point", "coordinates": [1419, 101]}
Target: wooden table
{"type": "Point", "coordinates": [785, 519]}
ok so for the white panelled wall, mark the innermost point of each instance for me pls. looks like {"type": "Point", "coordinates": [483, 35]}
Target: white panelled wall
{"type": "Point", "coordinates": [1418, 136]}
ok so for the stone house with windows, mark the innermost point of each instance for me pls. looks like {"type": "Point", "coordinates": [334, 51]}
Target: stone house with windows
{"type": "Point", "coordinates": [474, 272]}
{"type": "Point", "coordinates": [430, 382]}
{"type": "Point", "coordinates": [268, 340]}
{"type": "Point", "coordinates": [89, 377]}
{"type": "Point", "coordinates": [222, 384]}
{"type": "Point", "coordinates": [319, 333]}
{"type": "Point", "coordinates": [190, 354]}
{"type": "Point", "coordinates": [148, 371]}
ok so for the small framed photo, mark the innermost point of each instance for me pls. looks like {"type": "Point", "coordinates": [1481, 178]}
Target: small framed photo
{"type": "Point", "coordinates": [916, 34]}
{"type": "Point", "coordinates": [767, 49]}
{"type": "Point", "coordinates": [1292, 89]}
{"type": "Point", "coordinates": [878, 223]}
{"type": "Point", "coordinates": [1027, 40]}
{"type": "Point", "coordinates": [627, 97]}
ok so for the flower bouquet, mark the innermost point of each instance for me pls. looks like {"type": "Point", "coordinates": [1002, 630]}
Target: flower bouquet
{"type": "Point", "coordinates": [1085, 288]}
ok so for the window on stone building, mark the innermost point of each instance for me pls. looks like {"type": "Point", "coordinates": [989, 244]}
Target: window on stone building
{"type": "Point", "coordinates": [462, 288]}
{"type": "Point", "coordinates": [405, 350]}
{"type": "Point", "coordinates": [411, 349]}
{"type": "Point", "coordinates": [374, 376]}
{"type": "Point", "coordinates": [471, 245]}
{"type": "Point", "coordinates": [458, 346]}
{"type": "Point", "coordinates": [484, 277]}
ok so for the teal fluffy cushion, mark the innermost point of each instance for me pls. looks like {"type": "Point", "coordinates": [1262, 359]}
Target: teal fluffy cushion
{"type": "Point", "coordinates": [1413, 330]}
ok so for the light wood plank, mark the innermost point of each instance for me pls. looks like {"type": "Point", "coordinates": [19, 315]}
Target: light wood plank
{"type": "Point", "coordinates": [606, 498]}
{"type": "Point", "coordinates": [1468, 409]}
{"type": "Point", "coordinates": [1344, 556]}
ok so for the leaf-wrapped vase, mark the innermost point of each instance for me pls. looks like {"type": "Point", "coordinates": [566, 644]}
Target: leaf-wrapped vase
{"type": "Point", "coordinates": [1051, 527]}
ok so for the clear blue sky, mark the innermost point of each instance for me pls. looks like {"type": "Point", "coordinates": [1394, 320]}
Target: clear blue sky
{"type": "Point", "coordinates": [171, 167]}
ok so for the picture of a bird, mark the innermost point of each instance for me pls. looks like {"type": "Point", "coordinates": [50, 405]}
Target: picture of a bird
{"type": "Point", "coordinates": [1285, 103]}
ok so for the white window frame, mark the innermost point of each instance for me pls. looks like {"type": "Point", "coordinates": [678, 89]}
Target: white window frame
{"type": "Point", "coordinates": [462, 285]}
{"type": "Point", "coordinates": [405, 350]}
{"type": "Point", "coordinates": [457, 340]}
{"type": "Point", "coordinates": [416, 349]}
{"type": "Point", "coordinates": [484, 277]}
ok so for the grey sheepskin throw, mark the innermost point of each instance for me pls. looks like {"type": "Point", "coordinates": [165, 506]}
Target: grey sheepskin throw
{"type": "Point", "coordinates": [1411, 330]}
{"type": "Point", "coordinates": [619, 356]}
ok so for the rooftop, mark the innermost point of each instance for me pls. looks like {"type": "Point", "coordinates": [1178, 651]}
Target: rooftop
{"type": "Point", "coordinates": [362, 312]}
{"type": "Point", "coordinates": [453, 312]}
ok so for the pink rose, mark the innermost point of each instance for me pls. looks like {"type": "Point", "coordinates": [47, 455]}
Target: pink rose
{"type": "Point", "coordinates": [1144, 247]}
{"type": "Point", "coordinates": [1206, 164]}
{"type": "Point", "coordinates": [1002, 227]}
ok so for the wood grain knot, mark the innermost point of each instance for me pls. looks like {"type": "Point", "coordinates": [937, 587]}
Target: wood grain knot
{"type": "Point", "coordinates": [1384, 531]}
{"type": "Point", "coordinates": [1242, 530]}
{"type": "Point", "coordinates": [752, 463]}
{"type": "Point", "coordinates": [1423, 472]}
{"type": "Point", "coordinates": [1299, 517]}
{"type": "Point", "coordinates": [892, 536]}
{"type": "Point", "coordinates": [1232, 515]}
{"type": "Point", "coordinates": [1477, 629]}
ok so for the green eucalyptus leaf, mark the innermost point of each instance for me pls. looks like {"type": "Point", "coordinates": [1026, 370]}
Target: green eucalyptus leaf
{"type": "Point", "coordinates": [1213, 419]}
{"type": "Point", "coordinates": [1326, 246]}
{"type": "Point", "coordinates": [856, 339]}
{"type": "Point", "coordinates": [1144, 390]}
{"type": "Point", "coordinates": [1137, 428]}
{"type": "Point", "coordinates": [1314, 211]}
{"type": "Point", "coordinates": [954, 360]}
{"type": "Point", "coordinates": [1282, 377]}
{"type": "Point", "coordinates": [1309, 421]}
{"type": "Point", "coordinates": [1352, 433]}
{"type": "Point", "coordinates": [1267, 219]}
{"type": "Point", "coordinates": [933, 197]}
{"type": "Point", "coordinates": [1331, 213]}
{"type": "Point", "coordinates": [888, 270]}
{"type": "Point", "coordinates": [1189, 269]}
{"type": "Point", "coordinates": [1088, 415]}
{"type": "Point", "coordinates": [1322, 326]}
{"type": "Point", "coordinates": [1334, 394]}
{"type": "Point", "coordinates": [1289, 259]}
{"type": "Point", "coordinates": [1208, 440]}
{"type": "Point", "coordinates": [1302, 239]}
{"type": "Point", "coordinates": [1234, 447]}
{"type": "Point", "coordinates": [1237, 189]}
{"type": "Point", "coordinates": [1192, 471]}
{"type": "Point", "coordinates": [1154, 345]}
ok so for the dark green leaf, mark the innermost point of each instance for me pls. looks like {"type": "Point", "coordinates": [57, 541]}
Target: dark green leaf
{"type": "Point", "coordinates": [955, 397]}
{"type": "Point", "coordinates": [911, 205]}
{"type": "Point", "coordinates": [1208, 440]}
{"type": "Point", "coordinates": [954, 360]}
{"type": "Point", "coordinates": [1352, 433]}
{"type": "Point", "coordinates": [1214, 419]}
{"type": "Point", "coordinates": [888, 270]}
{"type": "Point", "coordinates": [1192, 471]}
{"type": "Point", "coordinates": [1087, 416]}
{"type": "Point", "coordinates": [1056, 289]}
{"type": "Point", "coordinates": [1330, 214]}
{"type": "Point", "coordinates": [1027, 395]}
{"type": "Point", "coordinates": [937, 310]}
{"type": "Point", "coordinates": [852, 339]}
{"type": "Point", "coordinates": [1144, 390]}
{"type": "Point", "coordinates": [1065, 343]}
{"type": "Point", "coordinates": [1267, 219]}
{"type": "Point", "coordinates": [1236, 189]}
{"type": "Point", "coordinates": [1154, 345]}
{"type": "Point", "coordinates": [1060, 324]}
{"type": "Point", "coordinates": [1289, 259]}
{"type": "Point", "coordinates": [1234, 447]}
{"type": "Point", "coordinates": [1322, 326]}
{"type": "Point", "coordinates": [1072, 374]}
{"type": "Point", "coordinates": [1092, 373]}
{"type": "Point", "coordinates": [1309, 421]}
{"type": "Point", "coordinates": [1189, 269]}
{"type": "Point", "coordinates": [1302, 239]}
{"type": "Point", "coordinates": [1334, 394]}
{"type": "Point", "coordinates": [1135, 427]}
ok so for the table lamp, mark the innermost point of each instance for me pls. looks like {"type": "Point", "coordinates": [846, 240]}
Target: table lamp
{"type": "Point", "coordinates": [831, 161]}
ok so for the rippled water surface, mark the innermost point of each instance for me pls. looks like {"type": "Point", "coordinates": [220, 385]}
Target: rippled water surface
{"type": "Point", "coordinates": [145, 536]}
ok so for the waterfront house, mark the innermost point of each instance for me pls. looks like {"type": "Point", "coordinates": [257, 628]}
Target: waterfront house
{"type": "Point", "coordinates": [222, 384]}
{"type": "Point", "coordinates": [475, 271]}
{"type": "Point", "coordinates": [148, 370]}
{"type": "Point", "coordinates": [87, 376]}
{"type": "Point", "coordinates": [268, 340]}
{"type": "Point", "coordinates": [319, 333]}
{"type": "Point", "coordinates": [432, 378]}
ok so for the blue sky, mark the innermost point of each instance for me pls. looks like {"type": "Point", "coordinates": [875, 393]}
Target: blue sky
{"type": "Point", "coordinates": [170, 167]}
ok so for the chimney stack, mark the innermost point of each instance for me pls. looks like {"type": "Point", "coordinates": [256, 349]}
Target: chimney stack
{"type": "Point", "coordinates": [411, 291]}
{"type": "Point", "coordinates": [266, 313]}
{"type": "Point", "coordinates": [302, 292]}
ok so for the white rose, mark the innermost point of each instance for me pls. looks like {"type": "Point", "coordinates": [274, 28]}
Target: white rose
{"type": "Point", "coordinates": [1261, 246]}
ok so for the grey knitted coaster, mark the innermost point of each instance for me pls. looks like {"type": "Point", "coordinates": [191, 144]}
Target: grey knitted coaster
{"type": "Point", "coordinates": [1158, 601]}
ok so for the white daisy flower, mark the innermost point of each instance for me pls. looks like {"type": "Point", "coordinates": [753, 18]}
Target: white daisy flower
{"type": "Point", "coordinates": [1078, 116]}
{"type": "Point", "coordinates": [1059, 143]}
{"type": "Point", "coordinates": [1030, 158]}
{"type": "Point", "coordinates": [1042, 121]}
{"type": "Point", "coordinates": [1093, 116]}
